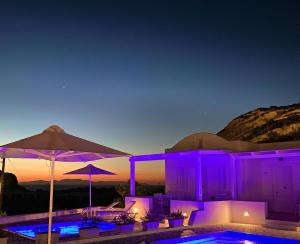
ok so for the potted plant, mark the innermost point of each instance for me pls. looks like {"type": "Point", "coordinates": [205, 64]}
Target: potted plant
{"type": "Point", "coordinates": [176, 219]}
{"type": "Point", "coordinates": [151, 221]}
{"type": "Point", "coordinates": [125, 222]}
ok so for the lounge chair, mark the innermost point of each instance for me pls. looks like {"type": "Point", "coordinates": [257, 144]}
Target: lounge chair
{"type": "Point", "coordinates": [91, 212]}
{"type": "Point", "coordinates": [109, 207]}
{"type": "Point", "coordinates": [109, 214]}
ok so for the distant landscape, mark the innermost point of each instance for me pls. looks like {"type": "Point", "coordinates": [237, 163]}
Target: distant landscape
{"type": "Point", "coordinates": [68, 184]}
{"type": "Point", "coordinates": [33, 197]}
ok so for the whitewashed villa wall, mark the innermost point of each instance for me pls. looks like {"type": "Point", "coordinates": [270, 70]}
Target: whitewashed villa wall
{"type": "Point", "coordinates": [216, 212]}
{"type": "Point", "coordinates": [246, 212]}
{"type": "Point", "coordinates": [222, 212]}
{"type": "Point", "coordinates": [271, 180]}
{"type": "Point", "coordinates": [180, 177]}
{"type": "Point", "coordinates": [141, 206]}
{"type": "Point", "coordinates": [216, 177]}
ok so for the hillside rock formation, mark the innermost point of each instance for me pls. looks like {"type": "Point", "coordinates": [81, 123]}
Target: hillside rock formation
{"type": "Point", "coordinates": [273, 124]}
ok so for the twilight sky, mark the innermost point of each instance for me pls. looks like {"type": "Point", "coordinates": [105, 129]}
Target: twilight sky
{"type": "Point", "coordinates": [140, 75]}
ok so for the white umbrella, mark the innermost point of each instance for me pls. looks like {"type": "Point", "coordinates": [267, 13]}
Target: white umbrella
{"type": "Point", "coordinates": [89, 170]}
{"type": "Point", "coordinates": [55, 145]}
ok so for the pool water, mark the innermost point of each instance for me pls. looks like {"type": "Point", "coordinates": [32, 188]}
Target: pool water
{"type": "Point", "coordinates": [64, 228]}
{"type": "Point", "coordinates": [229, 237]}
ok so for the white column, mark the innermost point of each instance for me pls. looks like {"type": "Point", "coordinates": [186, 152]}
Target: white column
{"type": "Point", "coordinates": [132, 178]}
{"type": "Point", "coordinates": [51, 198]}
{"type": "Point", "coordinates": [233, 176]}
{"type": "Point", "coordinates": [199, 194]}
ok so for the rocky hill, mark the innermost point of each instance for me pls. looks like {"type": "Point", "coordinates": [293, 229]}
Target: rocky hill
{"type": "Point", "coordinates": [11, 183]}
{"type": "Point", "coordinates": [271, 124]}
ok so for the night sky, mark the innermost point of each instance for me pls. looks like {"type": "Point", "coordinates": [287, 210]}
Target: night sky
{"type": "Point", "coordinates": [140, 75]}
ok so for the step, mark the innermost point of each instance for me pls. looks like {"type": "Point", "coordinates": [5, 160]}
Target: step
{"type": "Point", "coordinates": [282, 225]}
{"type": "Point", "coordinates": [282, 222]}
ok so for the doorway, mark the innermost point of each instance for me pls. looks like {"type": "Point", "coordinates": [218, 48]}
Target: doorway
{"type": "Point", "coordinates": [282, 202]}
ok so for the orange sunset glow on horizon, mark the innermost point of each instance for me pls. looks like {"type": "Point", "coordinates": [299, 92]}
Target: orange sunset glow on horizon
{"type": "Point", "coordinates": [32, 170]}
{"type": "Point", "coordinates": [27, 170]}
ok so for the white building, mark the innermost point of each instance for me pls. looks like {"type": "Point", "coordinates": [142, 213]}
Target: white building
{"type": "Point", "coordinates": [204, 170]}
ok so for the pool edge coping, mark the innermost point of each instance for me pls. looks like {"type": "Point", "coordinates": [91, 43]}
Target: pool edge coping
{"type": "Point", "coordinates": [211, 228]}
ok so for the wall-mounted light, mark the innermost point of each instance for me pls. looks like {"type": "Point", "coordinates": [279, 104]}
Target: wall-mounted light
{"type": "Point", "coordinates": [135, 210]}
{"type": "Point", "coordinates": [246, 214]}
{"type": "Point", "coordinates": [184, 215]}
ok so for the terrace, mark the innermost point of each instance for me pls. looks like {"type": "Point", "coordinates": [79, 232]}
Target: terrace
{"type": "Point", "coordinates": [152, 236]}
{"type": "Point", "coordinates": [211, 185]}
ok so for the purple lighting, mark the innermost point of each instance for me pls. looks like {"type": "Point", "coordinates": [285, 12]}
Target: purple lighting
{"type": "Point", "coordinates": [174, 155]}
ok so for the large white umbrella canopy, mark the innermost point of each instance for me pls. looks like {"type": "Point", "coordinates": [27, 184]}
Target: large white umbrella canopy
{"type": "Point", "coordinates": [90, 170]}
{"type": "Point", "coordinates": [55, 144]}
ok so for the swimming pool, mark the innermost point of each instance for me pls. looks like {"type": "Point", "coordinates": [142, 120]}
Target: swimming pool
{"type": "Point", "coordinates": [229, 237]}
{"type": "Point", "coordinates": [64, 228]}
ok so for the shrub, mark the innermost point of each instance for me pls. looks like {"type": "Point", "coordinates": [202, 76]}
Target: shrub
{"type": "Point", "coordinates": [176, 215]}
{"type": "Point", "coordinates": [151, 217]}
{"type": "Point", "coordinates": [124, 219]}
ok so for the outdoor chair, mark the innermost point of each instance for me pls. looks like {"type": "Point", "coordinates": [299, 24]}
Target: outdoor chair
{"type": "Point", "coordinates": [113, 212]}
{"type": "Point", "coordinates": [89, 213]}
{"type": "Point", "coordinates": [107, 208]}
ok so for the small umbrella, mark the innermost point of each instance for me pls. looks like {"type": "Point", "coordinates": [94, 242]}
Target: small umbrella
{"type": "Point", "coordinates": [89, 170]}
{"type": "Point", "coordinates": [55, 144]}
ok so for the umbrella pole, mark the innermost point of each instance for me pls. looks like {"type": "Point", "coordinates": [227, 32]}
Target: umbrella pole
{"type": "Point", "coordinates": [51, 199]}
{"type": "Point", "coordinates": [90, 180]}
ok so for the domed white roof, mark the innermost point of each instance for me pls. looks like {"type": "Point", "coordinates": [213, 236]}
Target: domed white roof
{"type": "Point", "coordinates": [209, 141]}
{"type": "Point", "coordinates": [201, 141]}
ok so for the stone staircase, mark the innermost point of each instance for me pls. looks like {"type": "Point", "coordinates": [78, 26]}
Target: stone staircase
{"type": "Point", "coordinates": [282, 225]}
